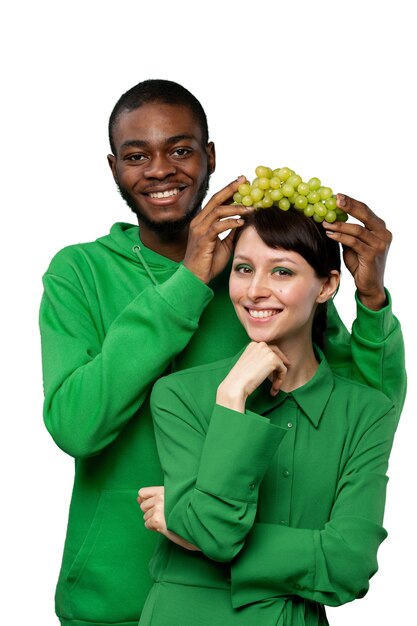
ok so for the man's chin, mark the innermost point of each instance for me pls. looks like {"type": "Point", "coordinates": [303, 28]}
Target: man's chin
{"type": "Point", "coordinates": [165, 227]}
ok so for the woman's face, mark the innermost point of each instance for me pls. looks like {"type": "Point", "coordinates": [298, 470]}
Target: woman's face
{"type": "Point", "coordinates": [274, 291]}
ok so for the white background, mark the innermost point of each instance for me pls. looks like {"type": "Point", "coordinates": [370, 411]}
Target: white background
{"type": "Point", "coordinates": [324, 87]}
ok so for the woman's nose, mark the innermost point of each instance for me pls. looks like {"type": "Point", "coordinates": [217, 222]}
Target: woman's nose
{"type": "Point", "coordinates": [258, 288]}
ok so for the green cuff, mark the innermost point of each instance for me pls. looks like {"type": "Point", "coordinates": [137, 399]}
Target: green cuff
{"type": "Point", "coordinates": [374, 326]}
{"type": "Point", "coordinates": [238, 449]}
{"type": "Point", "coordinates": [275, 561]}
{"type": "Point", "coordinates": [186, 293]}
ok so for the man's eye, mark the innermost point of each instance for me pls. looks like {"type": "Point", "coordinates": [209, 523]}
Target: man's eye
{"type": "Point", "coordinates": [135, 157]}
{"type": "Point", "coordinates": [182, 152]}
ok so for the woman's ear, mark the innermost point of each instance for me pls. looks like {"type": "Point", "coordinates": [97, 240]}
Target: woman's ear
{"type": "Point", "coordinates": [329, 287]}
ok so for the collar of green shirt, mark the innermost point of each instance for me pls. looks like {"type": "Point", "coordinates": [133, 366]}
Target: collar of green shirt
{"type": "Point", "coordinates": [312, 397]}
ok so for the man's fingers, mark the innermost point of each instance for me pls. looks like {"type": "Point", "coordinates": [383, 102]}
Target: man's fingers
{"type": "Point", "coordinates": [225, 194]}
{"type": "Point", "coordinates": [360, 239]}
{"type": "Point", "coordinates": [217, 216]}
{"type": "Point", "coordinates": [361, 212]}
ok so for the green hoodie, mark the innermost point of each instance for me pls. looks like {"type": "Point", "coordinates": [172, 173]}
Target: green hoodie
{"type": "Point", "coordinates": [115, 317]}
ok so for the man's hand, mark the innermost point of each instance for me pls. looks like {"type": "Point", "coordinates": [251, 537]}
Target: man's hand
{"type": "Point", "coordinates": [151, 501]}
{"type": "Point", "coordinates": [365, 249]}
{"type": "Point", "coordinates": [207, 255]}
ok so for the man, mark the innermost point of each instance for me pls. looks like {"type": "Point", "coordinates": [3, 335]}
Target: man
{"type": "Point", "coordinates": [120, 312]}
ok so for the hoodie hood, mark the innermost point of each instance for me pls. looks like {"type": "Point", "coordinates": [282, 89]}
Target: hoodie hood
{"type": "Point", "coordinates": [124, 239]}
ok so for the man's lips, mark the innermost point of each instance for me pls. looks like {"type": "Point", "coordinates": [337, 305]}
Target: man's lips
{"type": "Point", "coordinates": [168, 193]}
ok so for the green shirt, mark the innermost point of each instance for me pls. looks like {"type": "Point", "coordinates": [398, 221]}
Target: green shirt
{"type": "Point", "coordinates": [286, 501]}
{"type": "Point", "coordinates": [115, 316]}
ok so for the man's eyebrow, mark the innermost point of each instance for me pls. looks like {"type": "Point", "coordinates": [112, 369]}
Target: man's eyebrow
{"type": "Point", "coordinates": [134, 143]}
{"type": "Point", "coordinates": [141, 143]}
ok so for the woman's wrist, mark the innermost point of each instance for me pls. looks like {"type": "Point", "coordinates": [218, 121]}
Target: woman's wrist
{"type": "Point", "coordinates": [231, 399]}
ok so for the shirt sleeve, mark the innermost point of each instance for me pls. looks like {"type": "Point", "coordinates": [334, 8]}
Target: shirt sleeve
{"type": "Point", "coordinates": [212, 471]}
{"type": "Point", "coordinates": [331, 565]}
{"type": "Point", "coordinates": [378, 352]}
{"type": "Point", "coordinates": [373, 353]}
{"type": "Point", "coordinates": [93, 384]}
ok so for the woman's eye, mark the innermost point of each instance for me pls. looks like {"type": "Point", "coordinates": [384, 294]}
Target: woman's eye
{"type": "Point", "coordinates": [243, 269]}
{"type": "Point", "coordinates": [282, 271]}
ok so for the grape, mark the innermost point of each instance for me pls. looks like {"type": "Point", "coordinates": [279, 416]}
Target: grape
{"type": "Point", "coordinates": [287, 190]}
{"type": "Point", "coordinates": [331, 216]}
{"type": "Point", "coordinates": [263, 182]}
{"type": "Point", "coordinates": [313, 196]}
{"type": "Point", "coordinates": [284, 204]}
{"type": "Point", "coordinates": [275, 182]}
{"type": "Point", "coordinates": [282, 187]}
{"type": "Point", "coordinates": [247, 200]}
{"type": "Point", "coordinates": [330, 203]}
{"type": "Point", "coordinates": [303, 189]}
{"type": "Point", "coordinates": [294, 180]}
{"type": "Point", "coordinates": [276, 195]}
{"type": "Point", "coordinates": [314, 184]}
{"type": "Point", "coordinates": [257, 194]}
{"type": "Point", "coordinates": [300, 202]}
{"type": "Point", "coordinates": [263, 172]}
{"type": "Point", "coordinates": [244, 189]}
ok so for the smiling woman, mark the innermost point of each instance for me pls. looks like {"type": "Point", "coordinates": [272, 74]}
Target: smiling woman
{"type": "Point", "coordinates": [274, 466]}
{"type": "Point", "coordinates": [285, 268]}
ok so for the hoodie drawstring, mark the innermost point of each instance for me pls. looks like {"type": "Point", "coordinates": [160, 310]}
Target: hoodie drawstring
{"type": "Point", "coordinates": [137, 251]}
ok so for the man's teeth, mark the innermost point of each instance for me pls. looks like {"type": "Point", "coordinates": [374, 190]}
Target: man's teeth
{"type": "Point", "coordinates": [164, 194]}
{"type": "Point", "coordinates": [263, 313]}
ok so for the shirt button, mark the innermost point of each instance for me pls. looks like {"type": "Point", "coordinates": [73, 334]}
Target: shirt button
{"type": "Point", "coordinates": [285, 473]}
{"type": "Point", "coordinates": [252, 486]}
{"type": "Point", "coordinates": [289, 424]}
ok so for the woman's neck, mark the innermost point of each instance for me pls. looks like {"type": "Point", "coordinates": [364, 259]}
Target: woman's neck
{"type": "Point", "coordinates": [303, 365]}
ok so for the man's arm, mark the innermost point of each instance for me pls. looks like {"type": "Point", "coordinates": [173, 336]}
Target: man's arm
{"type": "Point", "coordinates": [374, 353]}
{"type": "Point", "coordinates": [93, 386]}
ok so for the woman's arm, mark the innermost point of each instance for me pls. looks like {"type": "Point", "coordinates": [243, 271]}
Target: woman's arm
{"type": "Point", "coordinates": [331, 565]}
{"type": "Point", "coordinates": [212, 468]}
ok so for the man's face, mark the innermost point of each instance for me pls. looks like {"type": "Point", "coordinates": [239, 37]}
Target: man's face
{"type": "Point", "coordinates": [161, 165]}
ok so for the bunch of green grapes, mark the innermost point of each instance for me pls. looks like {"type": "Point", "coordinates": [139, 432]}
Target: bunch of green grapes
{"type": "Point", "coordinates": [283, 188]}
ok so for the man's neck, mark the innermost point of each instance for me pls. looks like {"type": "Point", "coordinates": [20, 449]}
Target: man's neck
{"type": "Point", "coordinates": [171, 246]}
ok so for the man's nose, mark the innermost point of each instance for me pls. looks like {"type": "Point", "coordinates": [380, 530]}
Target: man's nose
{"type": "Point", "coordinates": [159, 167]}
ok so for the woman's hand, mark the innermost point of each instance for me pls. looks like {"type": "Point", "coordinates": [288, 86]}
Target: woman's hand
{"type": "Point", "coordinates": [151, 501]}
{"type": "Point", "coordinates": [258, 362]}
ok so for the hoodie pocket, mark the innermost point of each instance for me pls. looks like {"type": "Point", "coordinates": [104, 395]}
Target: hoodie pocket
{"type": "Point", "coordinates": [109, 577]}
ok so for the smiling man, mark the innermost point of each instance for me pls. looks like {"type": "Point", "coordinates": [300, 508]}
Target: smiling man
{"type": "Point", "coordinates": [120, 312]}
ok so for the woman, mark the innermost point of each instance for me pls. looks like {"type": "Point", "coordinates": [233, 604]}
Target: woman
{"type": "Point", "coordinates": [275, 467]}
